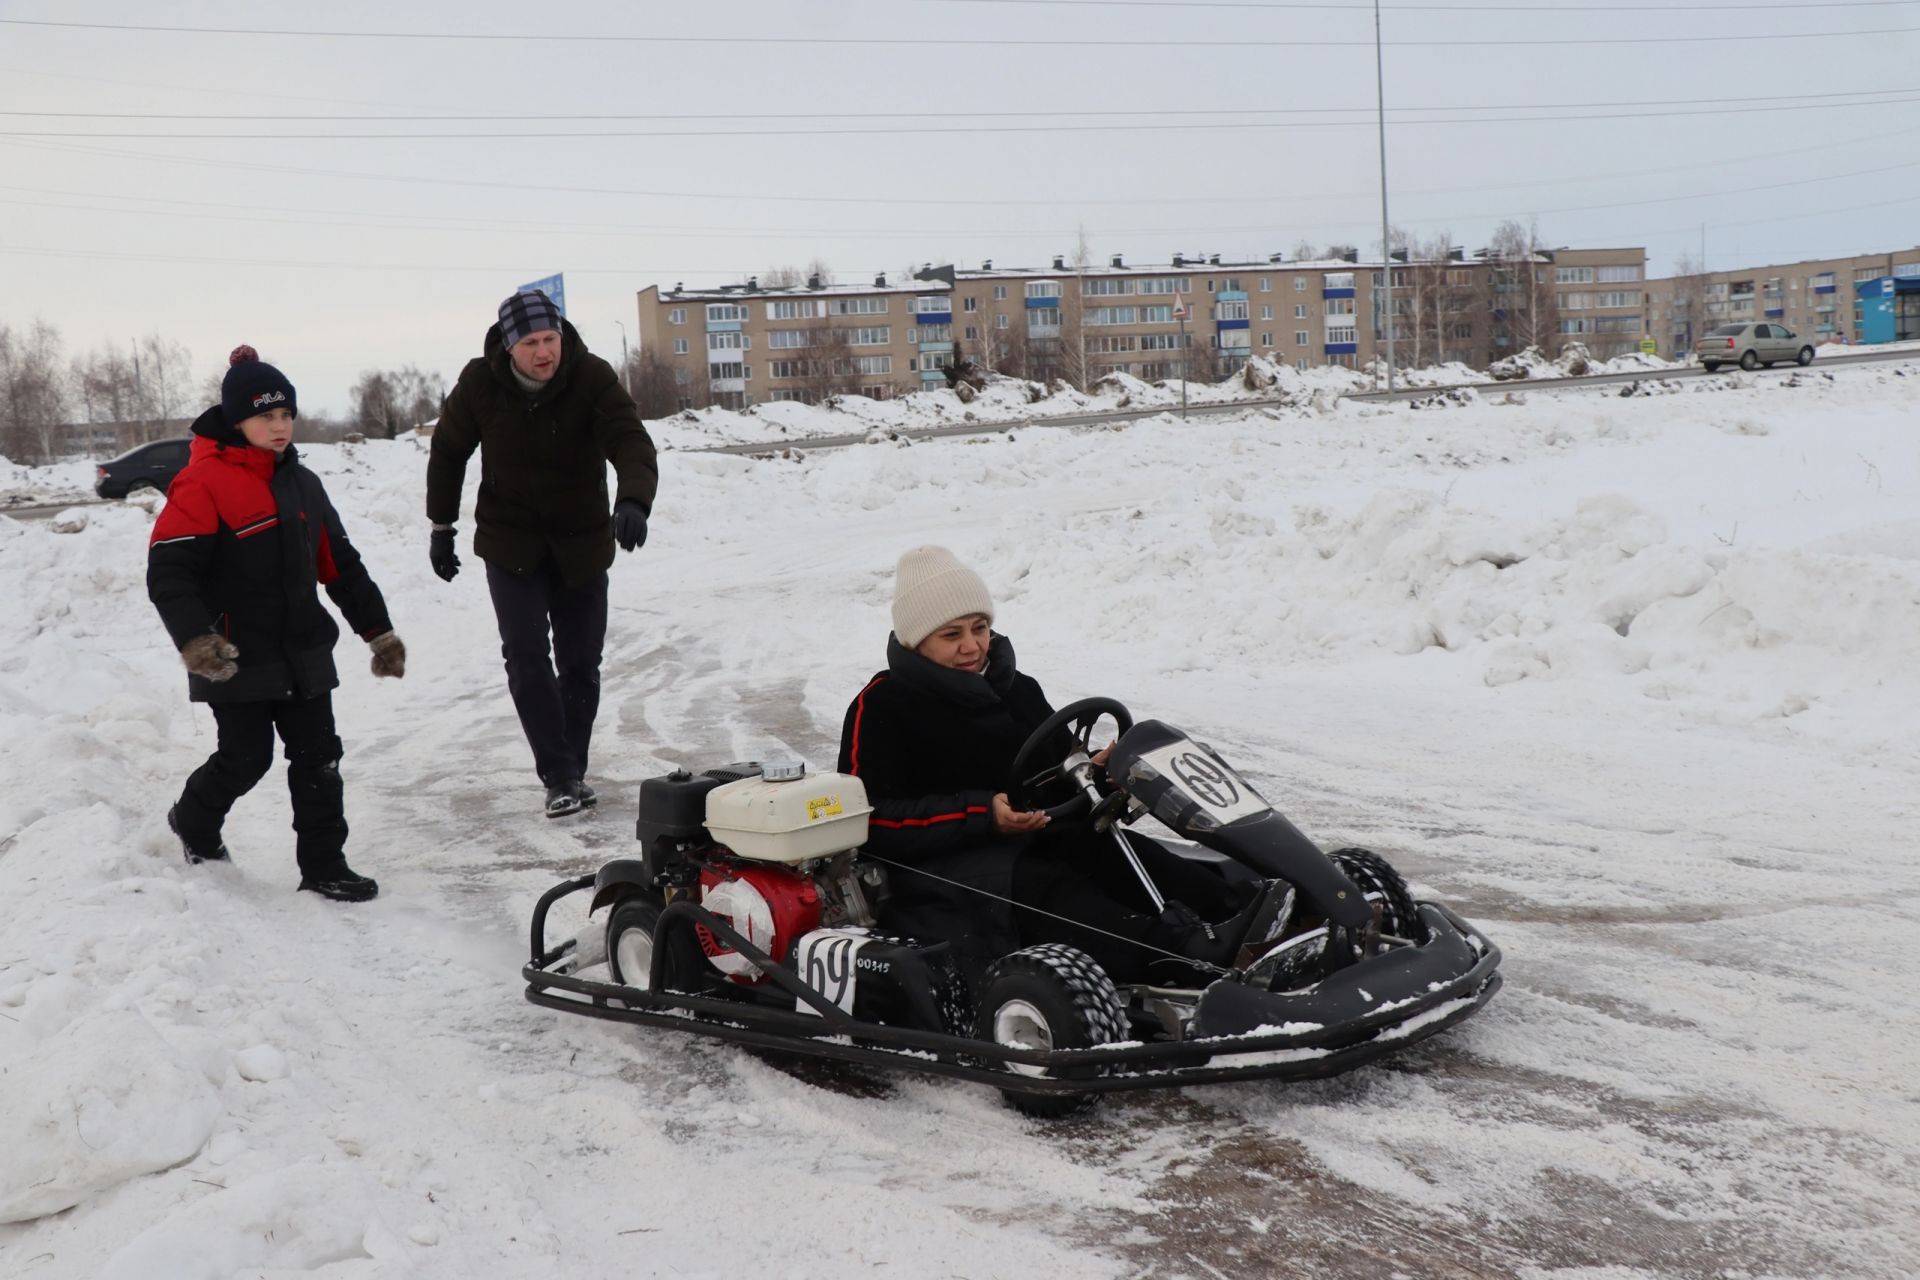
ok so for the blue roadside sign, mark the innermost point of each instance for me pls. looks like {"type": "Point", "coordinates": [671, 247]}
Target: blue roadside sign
{"type": "Point", "coordinates": [554, 286]}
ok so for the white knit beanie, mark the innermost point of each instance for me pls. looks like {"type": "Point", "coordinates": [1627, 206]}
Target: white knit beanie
{"type": "Point", "coordinates": [930, 589]}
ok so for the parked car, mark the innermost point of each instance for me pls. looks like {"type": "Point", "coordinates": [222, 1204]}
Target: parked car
{"type": "Point", "coordinates": [1752, 345]}
{"type": "Point", "coordinates": [152, 465]}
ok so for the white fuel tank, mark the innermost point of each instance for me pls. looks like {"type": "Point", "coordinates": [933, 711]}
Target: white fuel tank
{"type": "Point", "coordinates": [790, 819]}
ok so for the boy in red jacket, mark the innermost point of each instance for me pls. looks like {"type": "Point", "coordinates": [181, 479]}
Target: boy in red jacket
{"type": "Point", "coordinates": [234, 566]}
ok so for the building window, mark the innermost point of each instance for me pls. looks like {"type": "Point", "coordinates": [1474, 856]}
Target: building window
{"type": "Point", "coordinates": [1626, 298]}
{"type": "Point", "coordinates": [1299, 311]}
{"type": "Point", "coordinates": [721, 372]}
{"type": "Point", "coordinates": [677, 316]}
{"type": "Point", "coordinates": [1573, 275]}
{"type": "Point", "coordinates": [1266, 339]}
{"type": "Point", "coordinates": [725, 312]}
{"type": "Point", "coordinates": [970, 304]}
{"type": "Point", "coordinates": [1346, 334]}
{"type": "Point", "coordinates": [1617, 275]}
{"type": "Point", "coordinates": [913, 337]}
{"type": "Point", "coordinates": [1862, 273]}
{"type": "Point", "coordinates": [1339, 280]}
{"type": "Point", "coordinates": [973, 333]}
{"type": "Point", "coordinates": [796, 309]}
{"type": "Point", "coordinates": [726, 342]}
{"type": "Point", "coordinates": [1166, 284]}
{"type": "Point", "coordinates": [1299, 284]}
{"type": "Point", "coordinates": [1043, 318]}
{"type": "Point", "coordinates": [1165, 341]}
{"type": "Point", "coordinates": [1111, 315]}
{"type": "Point", "coordinates": [1043, 288]}
{"type": "Point", "coordinates": [1000, 293]}
{"type": "Point", "coordinates": [1230, 310]}
{"type": "Point", "coordinates": [935, 333]}
{"type": "Point", "coordinates": [1339, 307]}
{"type": "Point", "coordinates": [878, 336]}
{"type": "Point", "coordinates": [870, 365]}
{"type": "Point", "coordinates": [1459, 331]}
{"type": "Point", "coordinates": [1105, 287]}
{"type": "Point", "coordinates": [679, 346]}
{"type": "Point", "coordinates": [1576, 301]}
{"type": "Point", "coordinates": [1266, 285]}
{"type": "Point", "coordinates": [786, 368]}
{"type": "Point", "coordinates": [1156, 315]}
{"type": "Point", "coordinates": [1299, 337]}
{"type": "Point", "coordinates": [939, 306]}
{"type": "Point", "coordinates": [857, 307]}
{"type": "Point", "coordinates": [1000, 321]}
{"type": "Point", "coordinates": [1231, 284]}
{"type": "Point", "coordinates": [1266, 313]}
{"type": "Point", "coordinates": [788, 339]}
{"type": "Point", "coordinates": [686, 403]}
{"type": "Point", "coordinates": [1906, 270]}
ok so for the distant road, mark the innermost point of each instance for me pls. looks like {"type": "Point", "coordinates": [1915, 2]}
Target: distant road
{"type": "Point", "coordinates": [1241, 406]}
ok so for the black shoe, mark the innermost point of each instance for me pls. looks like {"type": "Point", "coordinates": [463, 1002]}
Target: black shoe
{"type": "Point", "coordinates": [216, 852]}
{"type": "Point", "coordinates": [342, 885]}
{"type": "Point", "coordinates": [1181, 931]}
{"type": "Point", "coordinates": [562, 800]}
{"type": "Point", "coordinates": [585, 794]}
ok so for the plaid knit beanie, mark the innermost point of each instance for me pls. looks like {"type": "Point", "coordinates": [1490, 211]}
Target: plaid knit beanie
{"type": "Point", "coordinates": [526, 313]}
{"type": "Point", "coordinates": [930, 589]}
{"type": "Point", "coordinates": [253, 386]}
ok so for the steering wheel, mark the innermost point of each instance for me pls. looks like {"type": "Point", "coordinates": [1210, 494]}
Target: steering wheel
{"type": "Point", "coordinates": [1082, 716]}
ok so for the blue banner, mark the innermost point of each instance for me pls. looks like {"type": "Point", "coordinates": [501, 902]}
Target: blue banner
{"type": "Point", "coordinates": [553, 286]}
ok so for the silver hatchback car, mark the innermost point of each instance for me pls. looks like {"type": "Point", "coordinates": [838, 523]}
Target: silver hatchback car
{"type": "Point", "coordinates": [1751, 345]}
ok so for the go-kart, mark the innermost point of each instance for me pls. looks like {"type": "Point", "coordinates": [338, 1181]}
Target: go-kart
{"type": "Point", "coordinates": [751, 915]}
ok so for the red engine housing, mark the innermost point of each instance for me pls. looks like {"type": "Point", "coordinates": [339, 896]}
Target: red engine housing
{"type": "Point", "coordinates": [771, 906]}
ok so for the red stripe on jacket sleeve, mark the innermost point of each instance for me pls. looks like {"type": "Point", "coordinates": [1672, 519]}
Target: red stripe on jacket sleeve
{"type": "Point", "coordinates": [960, 816]}
{"type": "Point", "coordinates": [859, 711]}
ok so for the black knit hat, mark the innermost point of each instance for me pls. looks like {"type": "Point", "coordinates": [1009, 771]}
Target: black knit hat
{"type": "Point", "coordinates": [253, 386]}
{"type": "Point", "coordinates": [526, 313]}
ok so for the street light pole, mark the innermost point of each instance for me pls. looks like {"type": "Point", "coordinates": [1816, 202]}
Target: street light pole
{"type": "Point", "coordinates": [626, 380]}
{"type": "Point", "coordinates": [1386, 244]}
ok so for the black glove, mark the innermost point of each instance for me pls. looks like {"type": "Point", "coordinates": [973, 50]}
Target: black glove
{"type": "Point", "coordinates": [629, 524]}
{"type": "Point", "coordinates": [440, 551]}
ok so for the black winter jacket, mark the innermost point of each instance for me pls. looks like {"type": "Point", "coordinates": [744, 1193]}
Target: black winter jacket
{"type": "Point", "coordinates": [543, 459]}
{"type": "Point", "coordinates": [241, 548]}
{"type": "Point", "coordinates": [933, 745]}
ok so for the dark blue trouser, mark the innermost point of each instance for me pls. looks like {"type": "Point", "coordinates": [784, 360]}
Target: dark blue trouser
{"type": "Point", "coordinates": [555, 698]}
{"type": "Point", "coordinates": [242, 758]}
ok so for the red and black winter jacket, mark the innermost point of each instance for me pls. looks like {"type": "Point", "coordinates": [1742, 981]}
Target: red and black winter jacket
{"type": "Point", "coordinates": [933, 745]}
{"type": "Point", "coordinates": [241, 548]}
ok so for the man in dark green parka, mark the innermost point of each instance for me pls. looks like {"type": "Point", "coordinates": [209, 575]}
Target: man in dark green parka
{"type": "Point", "coordinates": [547, 416]}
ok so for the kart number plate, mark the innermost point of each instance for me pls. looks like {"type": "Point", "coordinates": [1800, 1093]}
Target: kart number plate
{"type": "Point", "coordinates": [1217, 789]}
{"type": "Point", "coordinates": [825, 959]}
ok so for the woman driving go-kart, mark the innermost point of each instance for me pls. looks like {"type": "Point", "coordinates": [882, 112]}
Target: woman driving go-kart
{"type": "Point", "coordinates": [934, 737]}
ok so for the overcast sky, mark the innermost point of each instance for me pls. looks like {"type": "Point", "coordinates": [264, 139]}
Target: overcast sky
{"type": "Point", "coordinates": [985, 129]}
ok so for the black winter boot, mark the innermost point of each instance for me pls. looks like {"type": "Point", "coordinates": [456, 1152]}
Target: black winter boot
{"type": "Point", "coordinates": [585, 794]}
{"type": "Point", "coordinates": [562, 799]}
{"type": "Point", "coordinates": [341, 884]}
{"type": "Point", "coordinates": [197, 853]}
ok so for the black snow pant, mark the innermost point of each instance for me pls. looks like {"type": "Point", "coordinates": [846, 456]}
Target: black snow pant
{"type": "Point", "coordinates": [242, 758]}
{"type": "Point", "coordinates": [555, 698]}
{"type": "Point", "coordinates": [1079, 890]}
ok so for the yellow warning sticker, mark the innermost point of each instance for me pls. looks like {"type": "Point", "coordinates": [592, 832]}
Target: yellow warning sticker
{"type": "Point", "coordinates": [823, 807]}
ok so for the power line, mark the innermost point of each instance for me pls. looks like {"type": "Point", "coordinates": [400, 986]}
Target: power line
{"type": "Point", "coordinates": [1436, 8]}
{"type": "Point", "coordinates": [941, 41]}
{"type": "Point", "coordinates": [927, 130]}
{"type": "Point", "coordinates": [1782, 101]}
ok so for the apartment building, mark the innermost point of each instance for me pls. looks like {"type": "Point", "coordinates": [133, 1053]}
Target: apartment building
{"type": "Point", "coordinates": [1816, 297]}
{"type": "Point", "coordinates": [1197, 317]}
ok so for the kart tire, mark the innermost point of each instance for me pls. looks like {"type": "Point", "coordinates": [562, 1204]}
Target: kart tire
{"type": "Point", "coordinates": [1049, 996]}
{"type": "Point", "coordinates": [1749, 361]}
{"type": "Point", "coordinates": [1805, 357]}
{"type": "Point", "coordinates": [630, 937]}
{"type": "Point", "coordinates": [1375, 875]}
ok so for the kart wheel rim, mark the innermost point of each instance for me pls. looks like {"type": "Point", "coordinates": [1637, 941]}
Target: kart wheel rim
{"type": "Point", "coordinates": [634, 952]}
{"type": "Point", "coordinates": [1018, 1025]}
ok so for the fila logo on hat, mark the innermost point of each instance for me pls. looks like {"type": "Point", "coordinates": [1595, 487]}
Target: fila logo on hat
{"type": "Point", "coordinates": [267, 398]}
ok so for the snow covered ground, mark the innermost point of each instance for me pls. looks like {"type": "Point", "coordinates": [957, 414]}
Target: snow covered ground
{"type": "Point", "coordinates": [1629, 681]}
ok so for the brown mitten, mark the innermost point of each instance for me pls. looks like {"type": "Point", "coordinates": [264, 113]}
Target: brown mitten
{"type": "Point", "coordinates": [389, 655]}
{"type": "Point", "coordinates": [210, 657]}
